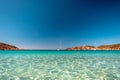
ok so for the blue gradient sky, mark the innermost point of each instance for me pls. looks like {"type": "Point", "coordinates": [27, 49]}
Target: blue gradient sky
{"type": "Point", "coordinates": [41, 24]}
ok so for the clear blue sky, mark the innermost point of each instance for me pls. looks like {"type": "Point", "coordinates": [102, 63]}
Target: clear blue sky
{"type": "Point", "coordinates": [41, 24]}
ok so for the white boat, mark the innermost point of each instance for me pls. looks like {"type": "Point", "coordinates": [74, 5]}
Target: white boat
{"type": "Point", "coordinates": [60, 45]}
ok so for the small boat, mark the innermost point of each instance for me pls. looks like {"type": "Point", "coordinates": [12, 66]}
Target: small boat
{"type": "Point", "coordinates": [60, 45]}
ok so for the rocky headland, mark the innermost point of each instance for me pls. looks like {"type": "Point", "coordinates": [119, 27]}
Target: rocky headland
{"type": "Point", "coordinates": [101, 47]}
{"type": "Point", "coordinates": [4, 46]}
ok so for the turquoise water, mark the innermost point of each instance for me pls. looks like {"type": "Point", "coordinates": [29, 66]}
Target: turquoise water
{"type": "Point", "coordinates": [59, 65]}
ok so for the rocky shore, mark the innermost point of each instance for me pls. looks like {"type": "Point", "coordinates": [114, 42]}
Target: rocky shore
{"type": "Point", "coordinates": [4, 46]}
{"type": "Point", "coordinates": [101, 47]}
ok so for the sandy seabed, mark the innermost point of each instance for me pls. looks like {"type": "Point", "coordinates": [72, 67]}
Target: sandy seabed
{"type": "Point", "coordinates": [60, 67]}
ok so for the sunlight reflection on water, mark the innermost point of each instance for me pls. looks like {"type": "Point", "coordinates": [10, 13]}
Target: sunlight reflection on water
{"type": "Point", "coordinates": [60, 66]}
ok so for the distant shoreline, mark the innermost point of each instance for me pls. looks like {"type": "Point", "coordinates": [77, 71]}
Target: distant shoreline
{"type": "Point", "coordinates": [101, 47]}
{"type": "Point", "coordinates": [4, 46]}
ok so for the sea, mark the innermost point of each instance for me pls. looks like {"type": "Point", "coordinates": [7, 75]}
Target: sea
{"type": "Point", "coordinates": [59, 65]}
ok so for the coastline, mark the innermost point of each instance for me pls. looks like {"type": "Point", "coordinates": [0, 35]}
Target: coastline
{"type": "Point", "coordinates": [101, 47]}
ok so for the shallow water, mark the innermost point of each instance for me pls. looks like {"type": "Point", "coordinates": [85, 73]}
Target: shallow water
{"type": "Point", "coordinates": [59, 65]}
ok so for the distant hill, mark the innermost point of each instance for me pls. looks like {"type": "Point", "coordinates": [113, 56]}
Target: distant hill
{"type": "Point", "coordinates": [4, 46]}
{"type": "Point", "coordinates": [101, 47]}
